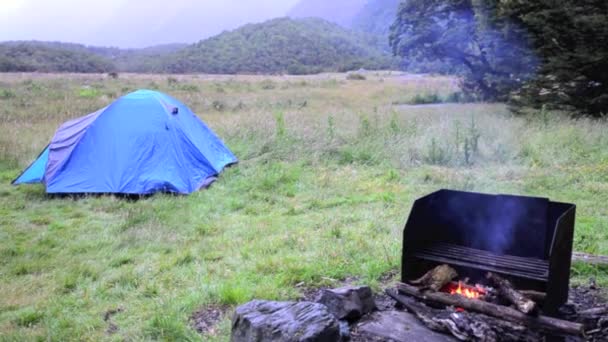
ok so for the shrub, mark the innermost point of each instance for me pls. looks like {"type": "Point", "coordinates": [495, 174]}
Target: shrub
{"type": "Point", "coordinates": [268, 85]}
{"type": "Point", "coordinates": [426, 99]}
{"type": "Point", "coordinates": [218, 105]}
{"type": "Point", "coordinates": [192, 88]}
{"type": "Point", "coordinates": [29, 317]}
{"type": "Point", "coordinates": [88, 92]}
{"type": "Point", "coordinates": [172, 81]}
{"type": "Point", "coordinates": [6, 94]}
{"type": "Point", "coordinates": [356, 77]}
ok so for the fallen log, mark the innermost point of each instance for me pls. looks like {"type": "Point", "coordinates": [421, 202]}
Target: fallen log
{"type": "Point", "coordinates": [466, 326]}
{"type": "Point", "coordinates": [444, 322]}
{"type": "Point", "coordinates": [599, 311]}
{"type": "Point", "coordinates": [506, 289]}
{"type": "Point", "coordinates": [544, 323]}
{"type": "Point", "coordinates": [590, 259]}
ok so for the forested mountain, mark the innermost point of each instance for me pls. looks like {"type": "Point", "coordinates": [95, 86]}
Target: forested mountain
{"type": "Point", "coordinates": [296, 46]}
{"type": "Point", "coordinates": [341, 12]}
{"type": "Point", "coordinates": [69, 57]}
{"type": "Point", "coordinates": [50, 57]}
{"type": "Point", "coordinates": [137, 60]}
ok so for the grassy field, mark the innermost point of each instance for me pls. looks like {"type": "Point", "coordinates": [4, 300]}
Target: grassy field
{"type": "Point", "coordinates": [329, 170]}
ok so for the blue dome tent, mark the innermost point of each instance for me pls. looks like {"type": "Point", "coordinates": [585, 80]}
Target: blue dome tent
{"type": "Point", "coordinates": [143, 143]}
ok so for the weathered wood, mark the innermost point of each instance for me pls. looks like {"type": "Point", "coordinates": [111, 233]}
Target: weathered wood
{"type": "Point", "coordinates": [590, 259]}
{"type": "Point", "coordinates": [537, 296]}
{"type": "Point", "coordinates": [444, 322]}
{"type": "Point", "coordinates": [466, 325]}
{"type": "Point", "coordinates": [599, 311]}
{"type": "Point", "coordinates": [544, 323]}
{"type": "Point", "coordinates": [436, 278]}
{"type": "Point", "coordinates": [509, 292]}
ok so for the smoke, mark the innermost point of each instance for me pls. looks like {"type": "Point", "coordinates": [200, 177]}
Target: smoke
{"type": "Point", "coordinates": [500, 224]}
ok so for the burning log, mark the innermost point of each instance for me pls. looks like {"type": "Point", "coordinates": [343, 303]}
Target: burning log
{"type": "Point", "coordinates": [466, 326]}
{"type": "Point", "coordinates": [544, 323]}
{"type": "Point", "coordinates": [506, 289]}
{"type": "Point", "coordinates": [461, 288]}
{"type": "Point", "coordinates": [436, 278]}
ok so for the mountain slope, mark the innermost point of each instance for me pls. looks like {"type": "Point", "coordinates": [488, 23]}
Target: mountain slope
{"type": "Point", "coordinates": [25, 56]}
{"type": "Point", "coordinates": [341, 12]}
{"type": "Point", "coordinates": [69, 57]}
{"type": "Point", "coordinates": [296, 46]}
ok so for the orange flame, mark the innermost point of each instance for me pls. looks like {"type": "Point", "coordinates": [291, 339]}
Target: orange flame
{"type": "Point", "coordinates": [466, 291]}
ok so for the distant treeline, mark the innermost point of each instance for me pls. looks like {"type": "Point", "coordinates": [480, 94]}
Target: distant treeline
{"type": "Point", "coordinates": [50, 57]}
{"type": "Point", "coordinates": [294, 46]}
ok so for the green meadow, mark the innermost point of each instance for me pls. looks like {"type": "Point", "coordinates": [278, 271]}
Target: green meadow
{"type": "Point", "coordinates": [329, 168]}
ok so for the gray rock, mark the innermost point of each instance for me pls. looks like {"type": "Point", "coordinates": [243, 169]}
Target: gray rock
{"type": "Point", "coordinates": [349, 302]}
{"type": "Point", "coordinates": [397, 326]}
{"type": "Point", "coordinates": [284, 322]}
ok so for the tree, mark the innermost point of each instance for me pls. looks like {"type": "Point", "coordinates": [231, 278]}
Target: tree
{"type": "Point", "coordinates": [533, 53]}
{"type": "Point", "coordinates": [571, 38]}
{"type": "Point", "coordinates": [492, 53]}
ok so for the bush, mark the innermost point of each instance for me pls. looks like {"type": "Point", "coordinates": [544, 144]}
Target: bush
{"type": "Point", "coordinates": [192, 88]}
{"type": "Point", "coordinates": [6, 94]}
{"type": "Point", "coordinates": [356, 77]}
{"type": "Point", "coordinates": [426, 99]}
{"type": "Point", "coordinates": [88, 93]}
{"type": "Point", "coordinates": [268, 85]}
{"type": "Point", "coordinates": [172, 81]}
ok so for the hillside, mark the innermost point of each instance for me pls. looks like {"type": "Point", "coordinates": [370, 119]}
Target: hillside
{"type": "Point", "coordinates": [69, 57]}
{"type": "Point", "coordinates": [295, 46]}
{"type": "Point", "coordinates": [51, 57]}
{"type": "Point", "coordinates": [341, 12]}
{"type": "Point", "coordinates": [137, 60]}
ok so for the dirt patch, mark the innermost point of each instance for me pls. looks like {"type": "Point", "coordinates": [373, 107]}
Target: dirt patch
{"type": "Point", "coordinates": [206, 319]}
{"type": "Point", "coordinates": [586, 297]}
{"type": "Point", "coordinates": [107, 317]}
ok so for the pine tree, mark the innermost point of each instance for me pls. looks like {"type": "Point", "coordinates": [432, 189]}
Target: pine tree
{"type": "Point", "coordinates": [571, 39]}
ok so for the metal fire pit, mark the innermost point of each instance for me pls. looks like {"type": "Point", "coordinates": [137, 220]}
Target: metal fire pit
{"type": "Point", "coordinates": [525, 239]}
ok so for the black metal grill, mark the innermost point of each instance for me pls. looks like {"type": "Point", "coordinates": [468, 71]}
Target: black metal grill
{"type": "Point", "coordinates": [481, 260]}
{"type": "Point", "coordinates": [526, 239]}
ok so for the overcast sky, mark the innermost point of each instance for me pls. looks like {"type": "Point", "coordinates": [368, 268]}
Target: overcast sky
{"type": "Point", "coordinates": [130, 23]}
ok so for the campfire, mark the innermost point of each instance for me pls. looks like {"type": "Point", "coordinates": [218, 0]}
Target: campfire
{"type": "Point", "coordinates": [461, 289]}
{"type": "Point", "coordinates": [482, 267]}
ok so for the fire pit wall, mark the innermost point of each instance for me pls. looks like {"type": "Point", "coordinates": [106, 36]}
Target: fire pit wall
{"type": "Point", "coordinates": [528, 240]}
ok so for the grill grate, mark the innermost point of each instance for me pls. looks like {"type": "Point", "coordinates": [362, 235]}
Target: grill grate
{"type": "Point", "coordinates": [482, 260]}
